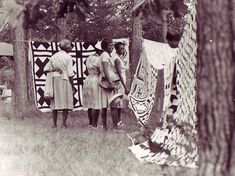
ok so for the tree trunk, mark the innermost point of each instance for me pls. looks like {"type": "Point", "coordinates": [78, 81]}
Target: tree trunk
{"type": "Point", "coordinates": [136, 42]}
{"type": "Point", "coordinates": [62, 24]}
{"type": "Point", "coordinates": [20, 61]}
{"type": "Point", "coordinates": [215, 87]}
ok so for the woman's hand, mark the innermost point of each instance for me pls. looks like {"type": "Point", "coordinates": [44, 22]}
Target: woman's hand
{"type": "Point", "coordinates": [57, 70]}
{"type": "Point", "coordinates": [112, 85]}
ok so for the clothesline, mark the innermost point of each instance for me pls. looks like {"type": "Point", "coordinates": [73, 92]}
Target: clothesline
{"type": "Point", "coordinates": [22, 40]}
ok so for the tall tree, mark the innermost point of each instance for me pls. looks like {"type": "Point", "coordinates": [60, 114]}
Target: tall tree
{"type": "Point", "coordinates": [136, 42]}
{"type": "Point", "coordinates": [15, 18]}
{"type": "Point", "coordinates": [215, 86]}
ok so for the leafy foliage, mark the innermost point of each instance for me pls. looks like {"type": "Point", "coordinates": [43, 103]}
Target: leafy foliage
{"type": "Point", "coordinates": [175, 30]}
{"type": "Point", "coordinates": [33, 13]}
{"type": "Point", "coordinates": [5, 34]}
{"type": "Point", "coordinates": [7, 71]}
{"type": "Point", "coordinates": [105, 19]}
{"type": "Point", "coordinates": [157, 6]}
{"type": "Point", "coordinates": [46, 21]}
{"type": "Point", "coordinates": [175, 21]}
{"type": "Point", "coordinates": [78, 6]}
{"type": "Point", "coordinates": [152, 29]}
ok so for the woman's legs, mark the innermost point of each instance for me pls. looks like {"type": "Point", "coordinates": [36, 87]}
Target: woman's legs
{"type": "Point", "coordinates": [89, 113]}
{"type": "Point", "coordinates": [65, 116]}
{"type": "Point", "coordinates": [114, 114]}
{"type": "Point", "coordinates": [95, 116]}
{"type": "Point", "coordinates": [119, 114]}
{"type": "Point", "coordinates": [54, 114]}
{"type": "Point", "coordinates": [104, 118]}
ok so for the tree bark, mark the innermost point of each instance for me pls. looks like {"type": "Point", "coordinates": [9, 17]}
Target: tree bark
{"type": "Point", "coordinates": [136, 42]}
{"type": "Point", "coordinates": [20, 61]}
{"type": "Point", "coordinates": [62, 24]}
{"type": "Point", "coordinates": [215, 87]}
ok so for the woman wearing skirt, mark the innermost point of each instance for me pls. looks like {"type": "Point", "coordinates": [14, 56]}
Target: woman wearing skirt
{"type": "Point", "coordinates": [61, 65]}
{"type": "Point", "coordinates": [111, 73]}
{"type": "Point", "coordinates": [118, 60]}
{"type": "Point", "coordinates": [91, 89]}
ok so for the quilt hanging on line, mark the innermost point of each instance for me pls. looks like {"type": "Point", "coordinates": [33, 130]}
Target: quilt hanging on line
{"type": "Point", "coordinates": [175, 142]}
{"type": "Point", "coordinates": [40, 53]}
{"type": "Point", "coordinates": [142, 94]}
{"type": "Point", "coordinates": [143, 87]}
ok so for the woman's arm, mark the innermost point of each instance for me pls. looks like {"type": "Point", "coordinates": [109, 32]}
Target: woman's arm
{"type": "Point", "coordinates": [72, 84]}
{"type": "Point", "coordinates": [105, 65]}
{"type": "Point", "coordinates": [49, 68]}
{"type": "Point", "coordinates": [70, 72]}
{"type": "Point", "coordinates": [119, 72]}
{"type": "Point", "coordinates": [106, 71]}
{"type": "Point", "coordinates": [53, 70]}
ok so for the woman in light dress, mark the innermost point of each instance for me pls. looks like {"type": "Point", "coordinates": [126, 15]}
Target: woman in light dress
{"type": "Point", "coordinates": [110, 71]}
{"type": "Point", "coordinates": [91, 89]}
{"type": "Point", "coordinates": [61, 64]}
{"type": "Point", "coordinates": [121, 71]}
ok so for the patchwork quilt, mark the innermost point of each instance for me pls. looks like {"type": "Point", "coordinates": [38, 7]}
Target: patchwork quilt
{"type": "Point", "coordinates": [175, 142]}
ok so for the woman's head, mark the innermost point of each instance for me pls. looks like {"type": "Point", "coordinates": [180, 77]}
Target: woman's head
{"type": "Point", "coordinates": [120, 48]}
{"type": "Point", "coordinates": [107, 45]}
{"type": "Point", "coordinates": [65, 45]}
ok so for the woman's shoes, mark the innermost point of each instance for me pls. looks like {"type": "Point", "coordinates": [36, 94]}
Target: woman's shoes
{"type": "Point", "coordinates": [120, 123]}
{"type": "Point", "coordinates": [105, 128]}
{"type": "Point", "coordinates": [64, 126]}
{"type": "Point", "coordinates": [54, 126]}
{"type": "Point", "coordinates": [94, 127]}
{"type": "Point", "coordinates": [90, 126]}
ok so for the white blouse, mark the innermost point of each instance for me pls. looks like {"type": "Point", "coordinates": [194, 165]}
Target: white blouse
{"type": "Point", "coordinates": [63, 61]}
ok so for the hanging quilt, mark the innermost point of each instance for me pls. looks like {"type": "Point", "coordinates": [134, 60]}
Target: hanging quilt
{"type": "Point", "coordinates": [143, 87]}
{"type": "Point", "coordinates": [171, 144]}
{"type": "Point", "coordinates": [40, 53]}
{"type": "Point", "coordinates": [175, 142]}
{"type": "Point", "coordinates": [142, 94]}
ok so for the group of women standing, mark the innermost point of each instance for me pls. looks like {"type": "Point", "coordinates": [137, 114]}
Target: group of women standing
{"type": "Point", "coordinates": [105, 85]}
{"type": "Point", "coordinates": [103, 88]}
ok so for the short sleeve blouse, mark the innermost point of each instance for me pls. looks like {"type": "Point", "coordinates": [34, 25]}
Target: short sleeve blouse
{"type": "Point", "coordinates": [63, 61]}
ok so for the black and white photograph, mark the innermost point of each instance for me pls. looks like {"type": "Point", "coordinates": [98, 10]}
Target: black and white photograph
{"type": "Point", "coordinates": [117, 87]}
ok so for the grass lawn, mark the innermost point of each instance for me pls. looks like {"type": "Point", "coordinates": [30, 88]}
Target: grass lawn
{"type": "Point", "coordinates": [30, 147]}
